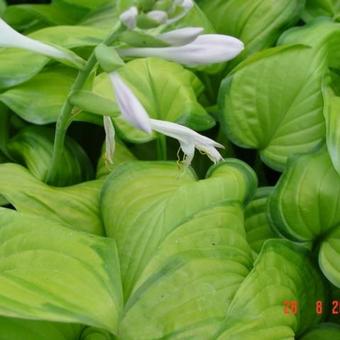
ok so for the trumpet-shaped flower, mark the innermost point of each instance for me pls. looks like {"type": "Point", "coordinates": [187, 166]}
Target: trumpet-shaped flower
{"type": "Point", "coordinates": [189, 140]}
{"type": "Point", "coordinates": [11, 38]}
{"type": "Point", "coordinates": [129, 17]}
{"type": "Point", "coordinates": [205, 49]}
{"type": "Point", "coordinates": [181, 36]}
{"type": "Point", "coordinates": [130, 107]}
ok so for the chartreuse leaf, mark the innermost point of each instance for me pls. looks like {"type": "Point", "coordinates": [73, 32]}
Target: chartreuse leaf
{"type": "Point", "coordinates": [76, 207]}
{"type": "Point", "coordinates": [33, 146]}
{"type": "Point", "coordinates": [257, 223]}
{"type": "Point", "coordinates": [258, 23]}
{"type": "Point", "coordinates": [53, 273]}
{"type": "Point", "coordinates": [323, 331]}
{"type": "Point", "coordinates": [332, 119]}
{"type": "Point", "coordinates": [2, 6]}
{"type": "Point", "coordinates": [19, 329]}
{"type": "Point", "coordinates": [92, 333]}
{"type": "Point", "coordinates": [305, 206]}
{"type": "Point", "coordinates": [282, 272]}
{"type": "Point", "coordinates": [18, 66]}
{"type": "Point", "coordinates": [321, 34]}
{"type": "Point", "coordinates": [306, 202]}
{"type": "Point", "coordinates": [182, 245]}
{"type": "Point", "coordinates": [260, 111]}
{"type": "Point", "coordinates": [166, 90]}
{"type": "Point", "coordinates": [317, 8]}
{"type": "Point", "coordinates": [40, 99]}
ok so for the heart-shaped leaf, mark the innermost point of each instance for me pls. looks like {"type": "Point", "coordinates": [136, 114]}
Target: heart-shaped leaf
{"type": "Point", "coordinates": [33, 146]}
{"type": "Point", "coordinates": [76, 207]}
{"type": "Point", "coordinates": [53, 273]}
{"type": "Point", "coordinates": [176, 225]}
{"type": "Point", "coordinates": [166, 90]}
{"type": "Point", "coordinates": [273, 102]}
{"type": "Point", "coordinates": [258, 23]}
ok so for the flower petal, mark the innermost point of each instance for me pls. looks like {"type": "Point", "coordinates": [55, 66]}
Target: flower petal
{"type": "Point", "coordinates": [11, 38]}
{"type": "Point", "coordinates": [129, 17]}
{"type": "Point", "coordinates": [205, 49]}
{"type": "Point", "coordinates": [130, 107]}
{"type": "Point", "coordinates": [181, 36]}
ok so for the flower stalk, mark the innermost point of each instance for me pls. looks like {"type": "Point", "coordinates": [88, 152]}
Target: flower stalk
{"type": "Point", "coordinates": [65, 116]}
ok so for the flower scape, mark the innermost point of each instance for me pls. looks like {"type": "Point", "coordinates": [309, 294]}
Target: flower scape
{"type": "Point", "coordinates": [170, 170]}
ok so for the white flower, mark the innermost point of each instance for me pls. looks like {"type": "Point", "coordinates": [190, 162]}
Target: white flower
{"type": "Point", "coordinates": [11, 38]}
{"type": "Point", "coordinates": [110, 144]}
{"type": "Point", "coordinates": [189, 140]}
{"type": "Point", "coordinates": [130, 107]}
{"type": "Point", "coordinates": [158, 16]}
{"type": "Point", "coordinates": [181, 36]}
{"type": "Point", "coordinates": [205, 49]}
{"type": "Point", "coordinates": [129, 17]}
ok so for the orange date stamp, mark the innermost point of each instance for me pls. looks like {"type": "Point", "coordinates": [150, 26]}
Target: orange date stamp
{"type": "Point", "coordinates": [291, 307]}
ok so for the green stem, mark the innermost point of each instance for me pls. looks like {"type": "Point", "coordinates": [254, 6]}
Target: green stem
{"type": "Point", "coordinates": [65, 116]}
{"type": "Point", "coordinates": [161, 148]}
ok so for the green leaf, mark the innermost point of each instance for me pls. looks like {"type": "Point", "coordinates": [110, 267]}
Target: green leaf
{"type": "Point", "coordinates": [181, 242]}
{"type": "Point", "coordinates": [40, 99]}
{"type": "Point", "coordinates": [273, 102]}
{"type": "Point", "coordinates": [3, 6]}
{"type": "Point", "coordinates": [258, 23]}
{"type": "Point", "coordinates": [166, 90]}
{"type": "Point", "coordinates": [282, 272]}
{"type": "Point", "coordinates": [18, 329]}
{"type": "Point", "coordinates": [323, 331]}
{"type": "Point", "coordinates": [76, 207]}
{"type": "Point", "coordinates": [306, 202]}
{"type": "Point", "coordinates": [33, 146]}
{"type": "Point", "coordinates": [108, 58]}
{"type": "Point", "coordinates": [321, 34]}
{"type": "Point", "coordinates": [317, 8]}
{"type": "Point", "coordinates": [18, 66]}
{"type": "Point", "coordinates": [91, 102]}
{"type": "Point", "coordinates": [53, 273]}
{"type": "Point", "coordinates": [332, 118]}
{"type": "Point", "coordinates": [329, 256]}
{"type": "Point", "coordinates": [257, 223]}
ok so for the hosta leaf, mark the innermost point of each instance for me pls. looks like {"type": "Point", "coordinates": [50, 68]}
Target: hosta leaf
{"type": "Point", "coordinates": [329, 256]}
{"type": "Point", "coordinates": [44, 14]}
{"type": "Point", "coordinates": [53, 273]}
{"type": "Point", "coordinates": [282, 272]}
{"type": "Point", "coordinates": [33, 146]}
{"type": "Point", "coordinates": [322, 332]}
{"type": "Point", "coordinates": [76, 207]}
{"type": "Point", "coordinates": [317, 8]}
{"type": "Point", "coordinates": [332, 119]}
{"type": "Point", "coordinates": [257, 221]}
{"type": "Point", "coordinates": [258, 23]}
{"type": "Point", "coordinates": [19, 329]}
{"type": "Point", "coordinates": [181, 242]}
{"type": "Point", "coordinates": [306, 202]}
{"type": "Point", "coordinates": [2, 6]}
{"type": "Point", "coordinates": [18, 66]}
{"type": "Point", "coordinates": [40, 99]}
{"type": "Point", "coordinates": [260, 111]}
{"type": "Point", "coordinates": [321, 34]}
{"type": "Point", "coordinates": [166, 90]}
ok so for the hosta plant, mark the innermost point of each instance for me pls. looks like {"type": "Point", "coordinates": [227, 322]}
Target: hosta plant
{"type": "Point", "coordinates": [169, 169]}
